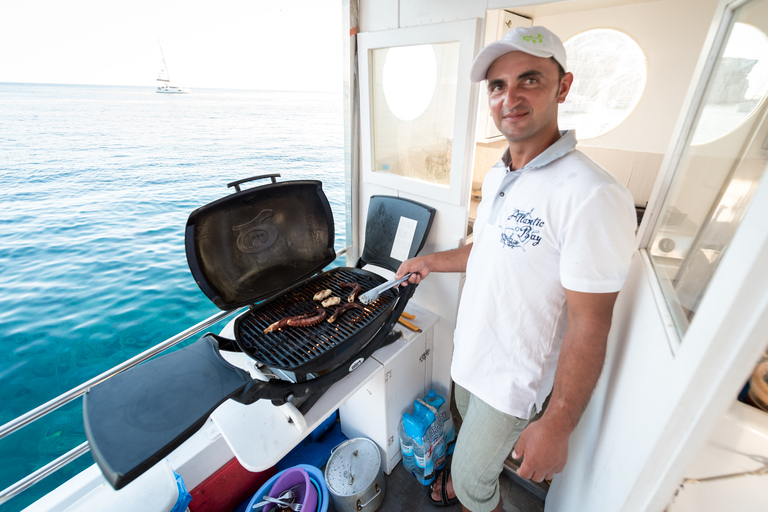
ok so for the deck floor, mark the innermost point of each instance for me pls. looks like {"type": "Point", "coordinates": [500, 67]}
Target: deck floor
{"type": "Point", "coordinates": [405, 494]}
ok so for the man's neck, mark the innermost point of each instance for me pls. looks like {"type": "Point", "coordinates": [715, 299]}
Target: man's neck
{"type": "Point", "coordinates": [521, 153]}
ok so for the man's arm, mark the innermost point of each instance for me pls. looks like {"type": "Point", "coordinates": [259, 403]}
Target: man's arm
{"type": "Point", "coordinates": [544, 443]}
{"type": "Point", "coordinates": [454, 260]}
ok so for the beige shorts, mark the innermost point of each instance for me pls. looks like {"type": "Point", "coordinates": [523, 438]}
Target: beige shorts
{"type": "Point", "coordinates": [485, 439]}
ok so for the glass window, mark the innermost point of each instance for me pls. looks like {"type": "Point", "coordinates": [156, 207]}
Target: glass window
{"type": "Point", "coordinates": [714, 182]}
{"type": "Point", "coordinates": [738, 85]}
{"type": "Point", "coordinates": [413, 99]}
{"type": "Point", "coordinates": [609, 71]}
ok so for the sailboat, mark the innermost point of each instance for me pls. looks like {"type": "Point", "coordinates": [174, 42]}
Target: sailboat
{"type": "Point", "coordinates": [164, 77]}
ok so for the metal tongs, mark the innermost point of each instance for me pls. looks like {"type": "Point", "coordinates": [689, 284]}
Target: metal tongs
{"type": "Point", "coordinates": [373, 294]}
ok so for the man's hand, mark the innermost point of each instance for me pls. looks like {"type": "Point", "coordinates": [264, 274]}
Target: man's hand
{"type": "Point", "coordinates": [544, 450]}
{"type": "Point", "coordinates": [420, 267]}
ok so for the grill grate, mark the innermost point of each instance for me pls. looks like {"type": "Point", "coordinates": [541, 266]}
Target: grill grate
{"type": "Point", "coordinates": [292, 347]}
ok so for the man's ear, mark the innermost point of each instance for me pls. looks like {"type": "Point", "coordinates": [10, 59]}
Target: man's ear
{"type": "Point", "coordinates": [565, 87]}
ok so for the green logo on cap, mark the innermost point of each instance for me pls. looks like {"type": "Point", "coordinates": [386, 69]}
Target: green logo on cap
{"type": "Point", "coordinates": [534, 39]}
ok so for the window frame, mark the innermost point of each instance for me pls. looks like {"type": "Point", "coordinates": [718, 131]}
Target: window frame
{"type": "Point", "coordinates": [712, 50]}
{"type": "Point", "coordinates": [465, 33]}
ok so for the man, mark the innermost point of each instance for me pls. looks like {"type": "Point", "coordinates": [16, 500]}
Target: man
{"type": "Point", "coordinates": [553, 240]}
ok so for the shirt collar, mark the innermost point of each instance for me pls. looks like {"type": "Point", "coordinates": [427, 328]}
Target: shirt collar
{"type": "Point", "coordinates": [558, 149]}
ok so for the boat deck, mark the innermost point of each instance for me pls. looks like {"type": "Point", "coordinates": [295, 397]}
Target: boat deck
{"type": "Point", "coordinates": [404, 493]}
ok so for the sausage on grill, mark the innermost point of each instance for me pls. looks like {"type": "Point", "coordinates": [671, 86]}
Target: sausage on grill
{"type": "Point", "coordinates": [343, 309]}
{"type": "Point", "coordinates": [356, 289]}
{"type": "Point", "coordinates": [307, 320]}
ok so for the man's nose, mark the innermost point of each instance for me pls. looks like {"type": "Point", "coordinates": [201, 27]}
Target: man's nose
{"type": "Point", "coordinates": [511, 96]}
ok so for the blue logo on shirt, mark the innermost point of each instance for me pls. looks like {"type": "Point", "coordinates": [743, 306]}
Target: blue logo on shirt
{"type": "Point", "coordinates": [520, 230]}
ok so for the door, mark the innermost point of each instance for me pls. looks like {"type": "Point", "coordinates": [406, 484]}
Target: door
{"type": "Point", "coordinates": [690, 323]}
{"type": "Point", "coordinates": [415, 107]}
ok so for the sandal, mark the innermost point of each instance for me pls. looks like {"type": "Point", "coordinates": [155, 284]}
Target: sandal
{"type": "Point", "coordinates": [445, 501]}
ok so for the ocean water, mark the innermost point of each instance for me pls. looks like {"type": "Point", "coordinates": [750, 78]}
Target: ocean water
{"type": "Point", "coordinates": [96, 184]}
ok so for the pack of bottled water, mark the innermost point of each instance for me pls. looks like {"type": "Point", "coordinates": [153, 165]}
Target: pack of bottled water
{"type": "Point", "coordinates": [427, 436]}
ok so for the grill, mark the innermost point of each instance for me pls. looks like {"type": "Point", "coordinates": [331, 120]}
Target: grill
{"type": "Point", "coordinates": [315, 348]}
{"type": "Point", "coordinates": [265, 248]}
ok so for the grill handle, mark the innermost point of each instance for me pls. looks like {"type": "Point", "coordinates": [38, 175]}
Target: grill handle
{"type": "Point", "coordinates": [406, 292]}
{"type": "Point", "coordinates": [237, 183]}
{"type": "Point", "coordinates": [281, 392]}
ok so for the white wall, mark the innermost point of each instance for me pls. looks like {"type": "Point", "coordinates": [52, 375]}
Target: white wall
{"type": "Point", "coordinates": [376, 15]}
{"type": "Point", "coordinates": [671, 33]}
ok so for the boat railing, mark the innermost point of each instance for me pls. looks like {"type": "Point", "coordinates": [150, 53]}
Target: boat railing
{"type": "Point", "coordinates": [63, 399]}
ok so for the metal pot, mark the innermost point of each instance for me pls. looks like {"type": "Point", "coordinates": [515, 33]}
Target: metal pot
{"type": "Point", "coordinates": [354, 476]}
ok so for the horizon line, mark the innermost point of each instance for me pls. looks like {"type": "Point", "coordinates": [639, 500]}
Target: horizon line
{"type": "Point", "coordinates": [154, 86]}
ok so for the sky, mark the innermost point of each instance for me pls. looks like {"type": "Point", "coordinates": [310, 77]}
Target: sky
{"type": "Point", "coordinates": [228, 44]}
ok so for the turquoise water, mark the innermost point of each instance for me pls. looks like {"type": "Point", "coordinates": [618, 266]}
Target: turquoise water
{"type": "Point", "coordinates": [96, 184]}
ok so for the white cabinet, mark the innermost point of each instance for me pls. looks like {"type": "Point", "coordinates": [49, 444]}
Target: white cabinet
{"type": "Point", "coordinates": [375, 410]}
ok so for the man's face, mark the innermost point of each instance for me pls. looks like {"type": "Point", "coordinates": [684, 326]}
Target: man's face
{"type": "Point", "coordinates": [523, 93]}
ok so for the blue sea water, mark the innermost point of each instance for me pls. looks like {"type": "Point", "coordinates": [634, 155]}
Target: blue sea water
{"type": "Point", "coordinates": [96, 184]}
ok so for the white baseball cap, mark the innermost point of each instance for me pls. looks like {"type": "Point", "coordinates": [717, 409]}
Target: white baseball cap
{"type": "Point", "coordinates": [536, 41]}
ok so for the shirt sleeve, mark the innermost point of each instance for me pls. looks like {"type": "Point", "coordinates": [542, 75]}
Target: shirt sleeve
{"type": "Point", "coordinates": [599, 242]}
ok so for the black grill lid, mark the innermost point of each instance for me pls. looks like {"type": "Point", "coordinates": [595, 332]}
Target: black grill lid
{"type": "Point", "coordinates": [251, 244]}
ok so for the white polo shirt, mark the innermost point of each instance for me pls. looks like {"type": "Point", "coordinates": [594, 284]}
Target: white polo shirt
{"type": "Point", "coordinates": [559, 222]}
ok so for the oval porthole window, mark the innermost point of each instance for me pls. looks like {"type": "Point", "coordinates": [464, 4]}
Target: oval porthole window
{"type": "Point", "coordinates": [410, 75]}
{"type": "Point", "coordinates": [609, 70]}
{"type": "Point", "coordinates": [737, 86]}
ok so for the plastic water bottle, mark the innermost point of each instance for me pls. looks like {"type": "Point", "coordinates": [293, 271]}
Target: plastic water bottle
{"type": "Point", "coordinates": [445, 416]}
{"type": "Point", "coordinates": [433, 437]}
{"type": "Point", "coordinates": [412, 431]}
{"type": "Point", "coordinates": [421, 433]}
{"type": "Point", "coordinates": [406, 448]}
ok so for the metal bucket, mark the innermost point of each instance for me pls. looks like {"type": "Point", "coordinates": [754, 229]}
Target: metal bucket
{"type": "Point", "coordinates": [354, 476]}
